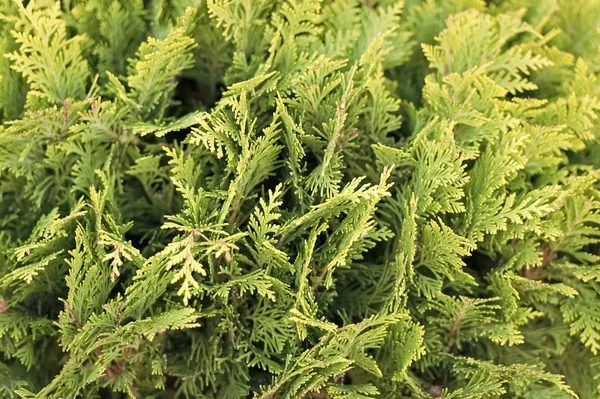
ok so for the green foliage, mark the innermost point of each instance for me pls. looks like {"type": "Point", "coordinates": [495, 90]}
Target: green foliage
{"type": "Point", "coordinates": [341, 199]}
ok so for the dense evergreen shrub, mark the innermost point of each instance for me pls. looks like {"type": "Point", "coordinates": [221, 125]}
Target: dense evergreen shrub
{"type": "Point", "coordinates": [299, 199]}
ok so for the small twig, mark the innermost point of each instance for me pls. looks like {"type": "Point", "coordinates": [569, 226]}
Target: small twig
{"type": "Point", "coordinates": [454, 327]}
{"type": "Point", "coordinates": [3, 305]}
{"type": "Point", "coordinates": [319, 279]}
{"type": "Point", "coordinates": [72, 315]}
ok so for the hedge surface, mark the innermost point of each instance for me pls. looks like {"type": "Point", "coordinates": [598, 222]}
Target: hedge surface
{"type": "Point", "coordinates": [340, 199]}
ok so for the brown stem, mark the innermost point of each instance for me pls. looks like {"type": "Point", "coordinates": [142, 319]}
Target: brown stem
{"type": "Point", "coordinates": [319, 279]}
{"type": "Point", "coordinates": [72, 315]}
{"type": "Point", "coordinates": [454, 327]}
{"type": "Point", "coordinates": [3, 305]}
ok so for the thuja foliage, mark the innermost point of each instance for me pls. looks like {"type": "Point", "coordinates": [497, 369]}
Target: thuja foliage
{"type": "Point", "coordinates": [299, 199]}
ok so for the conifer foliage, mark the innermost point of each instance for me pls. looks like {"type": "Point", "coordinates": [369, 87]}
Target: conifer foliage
{"type": "Point", "coordinates": [299, 199]}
